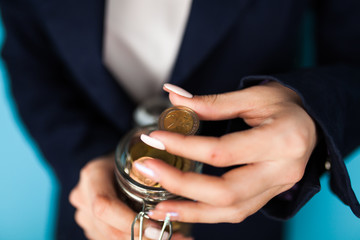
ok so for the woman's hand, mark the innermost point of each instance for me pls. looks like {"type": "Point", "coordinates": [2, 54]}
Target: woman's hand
{"type": "Point", "coordinates": [274, 152]}
{"type": "Point", "coordinates": [99, 212]}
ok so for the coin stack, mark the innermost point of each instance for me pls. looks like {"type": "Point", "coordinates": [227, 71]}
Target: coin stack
{"type": "Point", "coordinates": [178, 119]}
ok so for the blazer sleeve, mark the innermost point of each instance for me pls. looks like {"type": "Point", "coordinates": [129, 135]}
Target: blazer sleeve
{"type": "Point", "coordinates": [331, 95]}
{"type": "Point", "coordinates": [58, 114]}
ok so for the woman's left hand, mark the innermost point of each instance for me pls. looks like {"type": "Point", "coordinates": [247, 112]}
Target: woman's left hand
{"type": "Point", "coordinates": [273, 154]}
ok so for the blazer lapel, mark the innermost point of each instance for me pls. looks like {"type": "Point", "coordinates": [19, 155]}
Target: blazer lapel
{"type": "Point", "coordinates": [77, 26]}
{"type": "Point", "coordinates": [208, 22]}
{"type": "Point", "coordinates": [76, 29]}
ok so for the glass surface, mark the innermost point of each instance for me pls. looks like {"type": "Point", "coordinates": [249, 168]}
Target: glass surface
{"type": "Point", "coordinates": [130, 149]}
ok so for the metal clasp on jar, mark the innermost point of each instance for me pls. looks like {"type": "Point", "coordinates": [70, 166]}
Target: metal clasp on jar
{"type": "Point", "coordinates": [141, 216]}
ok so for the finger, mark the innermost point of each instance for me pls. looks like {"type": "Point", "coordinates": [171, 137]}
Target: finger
{"type": "Point", "coordinates": [243, 147]}
{"type": "Point", "coordinates": [209, 107]}
{"type": "Point", "coordinates": [113, 212]}
{"type": "Point", "coordinates": [236, 185]}
{"type": "Point", "coordinates": [192, 212]}
{"type": "Point", "coordinates": [82, 194]}
{"type": "Point", "coordinates": [97, 178]}
{"type": "Point", "coordinates": [94, 229]}
{"type": "Point", "coordinates": [75, 197]}
{"type": "Point", "coordinates": [154, 233]}
{"type": "Point", "coordinates": [178, 236]}
{"type": "Point", "coordinates": [116, 214]}
{"type": "Point", "coordinates": [227, 105]}
{"type": "Point", "coordinates": [199, 212]}
{"type": "Point", "coordinates": [97, 185]}
{"type": "Point", "coordinates": [108, 232]}
{"type": "Point", "coordinates": [247, 182]}
{"type": "Point", "coordinates": [164, 172]}
{"type": "Point", "coordinates": [84, 220]}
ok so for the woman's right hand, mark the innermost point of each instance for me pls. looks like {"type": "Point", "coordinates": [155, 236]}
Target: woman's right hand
{"type": "Point", "coordinates": [99, 212]}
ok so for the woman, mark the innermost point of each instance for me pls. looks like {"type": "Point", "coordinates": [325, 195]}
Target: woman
{"type": "Point", "coordinates": [76, 71]}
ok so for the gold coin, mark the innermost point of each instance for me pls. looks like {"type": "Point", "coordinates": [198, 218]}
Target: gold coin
{"type": "Point", "coordinates": [162, 155]}
{"type": "Point", "coordinates": [141, 149]}
{"type": "Point", "coordinates": [140, 178]}
{"type": "Point", "coordinates": [179, 119]}
{"type": "Point", "coordinates": [138, 150]}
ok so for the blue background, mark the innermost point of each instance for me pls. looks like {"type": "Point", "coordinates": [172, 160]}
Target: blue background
{"type": "Point", "coordinates": [29, 189]}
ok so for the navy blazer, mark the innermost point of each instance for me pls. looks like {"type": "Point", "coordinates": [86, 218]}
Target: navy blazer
{"type": "Point", "coordinates": [76, 111]}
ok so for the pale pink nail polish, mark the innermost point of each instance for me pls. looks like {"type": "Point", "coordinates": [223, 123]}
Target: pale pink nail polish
{"type": "Point", "coordinates": [146, 171]}
{"type": "Point", "coordinates": [152, 142]}
{"type": "Point", "coordinates": [178, 90]}
{"type": "Point", "coordinates": [173, 215]}
{"type": "Point", "coordinates": [154, 233]}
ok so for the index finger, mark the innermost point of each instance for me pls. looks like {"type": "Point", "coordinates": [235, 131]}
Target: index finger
{"type": "Point", "coordinates": [113, 212]}
{"type": "Point", "coordinates": [236, 104]}
{"type": "Point", "coordinates": [243, 147]}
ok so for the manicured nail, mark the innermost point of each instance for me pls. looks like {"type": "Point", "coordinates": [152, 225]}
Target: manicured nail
{"type": "Point", "coordinates": [145, 170]}
{"type": "Point", "coordinates": [177, 90]}
{"type": "Point", "coordinates": [161, 215]}
{"type": "Point", "coordinates": [154, 233]}
{"type": "Point", "coordinates": [152, 142]}
{"type": "Point", "coordinates": [173, 215]}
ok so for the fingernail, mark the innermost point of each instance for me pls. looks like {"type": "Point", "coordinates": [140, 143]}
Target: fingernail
{"type": "Point", "coordinates": [173, 215]}
{"type": "Point", "coordinates": [152, 142]}
{"type": "Point", "coordinates": [145, 170]}
{"type": "Point", "coordinates": [161, 215]}
{"type": "Point", "coordinates": [177, 90]}
{"type": "Point", "coordinates": [154, 233]}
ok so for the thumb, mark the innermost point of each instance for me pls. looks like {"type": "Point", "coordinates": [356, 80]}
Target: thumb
{"type": "Point", "coordinates": [211, 107]}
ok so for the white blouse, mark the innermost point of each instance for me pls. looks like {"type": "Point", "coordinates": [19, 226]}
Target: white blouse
{"type": "Point", "coordinates": [141, 42]}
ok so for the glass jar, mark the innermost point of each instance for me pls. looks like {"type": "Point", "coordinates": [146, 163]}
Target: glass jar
{"type": "Point", "coordinates": [138, 192]}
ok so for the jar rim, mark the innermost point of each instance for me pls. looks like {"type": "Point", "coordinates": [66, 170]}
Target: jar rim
{"type": "Point", "coordinates": [121, 169]}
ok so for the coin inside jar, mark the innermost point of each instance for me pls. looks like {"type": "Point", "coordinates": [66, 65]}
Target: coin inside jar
{"type": "Point", "coordinates": [179, 119]}
{"type": "Point", "coordinates": [140, 151]}
{"type": "Point", "coordinates": [141, 178]}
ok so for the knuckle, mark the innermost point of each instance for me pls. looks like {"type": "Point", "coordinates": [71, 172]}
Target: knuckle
{"type": "Point", "coordinates": [87, 235]}
{"type": "Point", "coordinates": [207, 103]}
{"type": "Point", "coordinates": [210, 99]}
{"type": "Point", "coordinates": [228, 198]}
{"type": "Point", "coordinates": [293, 174]}
{"type": "Point", "coordinates": [296, 175]}
{"type": "Point", "coordinates": [218, 156]}
{"type": "Point", "coordinates": [246, 194]}
{"type": "Point", "coordinates": [80, 220]}
{"type": "Point", "coordinates": [177, 190]}
{"type": "Point", "coordinates": [295, 143]}
{"type": "Point", "coordinates": [174, 186]}
{"type": "Point", "coordinates": [238, 217]}
{"type": "Point", "coordinates": [77, 218]}
{"type": "Point", "coordinates": [90, 169]}
{"type": "Point", "coordinates": [100, 205]}
{"type": "Point", "coordinates": [113, 234]}
{"type": "Point", "coordinates": [85, 171]}
{"type": "Point", "coordinates": [73, 197]}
